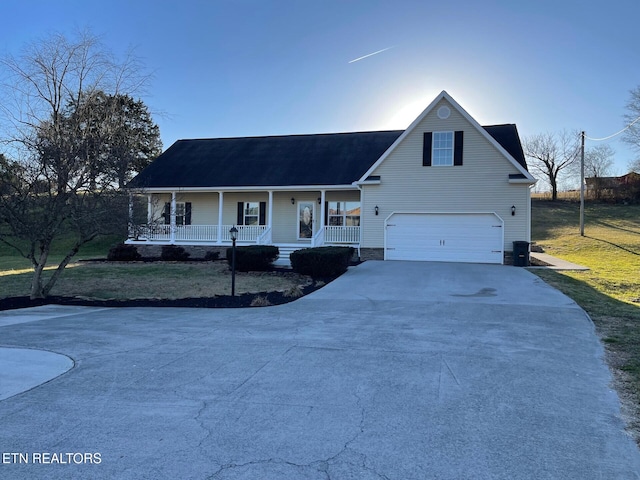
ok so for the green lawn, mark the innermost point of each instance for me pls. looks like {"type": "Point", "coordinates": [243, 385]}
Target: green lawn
{"type": "Point", "coordinates": [10, 259]}
{"type": "Point", "coordinates": [122, 281]}
{"type": "Point", "coordinates": [610, 290]}
{"type": "Point", "coordinates": [610, 247]}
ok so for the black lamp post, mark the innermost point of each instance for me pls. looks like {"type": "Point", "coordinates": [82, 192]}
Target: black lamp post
{"type": "Point", "coordinates": [234, 235]}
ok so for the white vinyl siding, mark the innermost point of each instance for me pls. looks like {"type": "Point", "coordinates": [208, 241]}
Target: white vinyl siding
{"type": "Point", "coordinates": [480, 184]}
{"type": "Point", "coordinates": [204, 207]}
{"type": "Point", "coordinates": [230, 205]}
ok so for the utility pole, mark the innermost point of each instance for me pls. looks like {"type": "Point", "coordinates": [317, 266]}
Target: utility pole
{"type": "Point", "coordinates": [582, 187]}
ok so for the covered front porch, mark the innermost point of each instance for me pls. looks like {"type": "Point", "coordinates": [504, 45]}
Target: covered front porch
{"type": "Point", "coordinates": [296, 219]}
{"type": "Point", "coordinates": [249, 234]}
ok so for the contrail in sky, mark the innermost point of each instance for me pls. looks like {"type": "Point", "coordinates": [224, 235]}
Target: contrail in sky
{"type": "Point", "coordinates": [370, 55]}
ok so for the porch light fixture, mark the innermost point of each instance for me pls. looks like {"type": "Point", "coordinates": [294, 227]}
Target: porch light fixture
{"type": "Point", "coordinates": [293, 200]}
{"type": "Point", "coordinates": [234, 236]}
{"type": "Point", "coordinates": [377, 210]}
{"type": "Point", "coordinates": [319, 200]}
{"type": "Point", "coordinates": [513, 210]}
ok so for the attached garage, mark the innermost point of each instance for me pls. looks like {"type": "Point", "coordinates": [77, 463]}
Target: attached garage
{"type": "Point", "coordinates": [445, 237]}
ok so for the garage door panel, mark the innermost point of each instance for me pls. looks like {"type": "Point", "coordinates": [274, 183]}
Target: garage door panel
{"type": "Point", "coordinates": [444, 237]}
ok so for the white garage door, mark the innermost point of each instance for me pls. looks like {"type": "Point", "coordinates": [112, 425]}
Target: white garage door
{"type": "Point", "coordinates": [458, 237]}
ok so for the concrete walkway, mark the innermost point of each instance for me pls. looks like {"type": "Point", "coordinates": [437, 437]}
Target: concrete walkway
{"type": "Point", "coordinates": [554, 263]}
{"type": "Point", "coordinates": [397, 370]}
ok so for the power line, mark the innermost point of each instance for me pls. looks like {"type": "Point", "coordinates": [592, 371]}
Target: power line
{"type": "Point", "coordinates": [615, 134]}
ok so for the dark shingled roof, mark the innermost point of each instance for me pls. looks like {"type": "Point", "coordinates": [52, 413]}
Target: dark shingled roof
{"type": "Point", "coordinates": [319, 159]}
{"type": "Point", "coordinates": [507, 136]}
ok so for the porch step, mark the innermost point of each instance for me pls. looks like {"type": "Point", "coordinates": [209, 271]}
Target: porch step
{"type": "Point", "coordinates": [283, 260]}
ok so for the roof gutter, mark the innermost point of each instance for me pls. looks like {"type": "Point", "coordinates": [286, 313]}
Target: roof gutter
{"type": "Point", "coordinates": [276, 188]}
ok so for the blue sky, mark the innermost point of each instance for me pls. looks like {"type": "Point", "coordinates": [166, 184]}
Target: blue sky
{"type": "Point", "coordinates": [245, 68]}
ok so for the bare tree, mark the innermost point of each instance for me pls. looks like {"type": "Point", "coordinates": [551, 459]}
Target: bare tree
{"type": "Point", "coordinates": [598, 162]}
{"type": "Point", "coordinates": [55, 184]}
{"type": "Point", "coordinates": [632, 134]}
{"type": "Point", "coordinates": [551, 154]}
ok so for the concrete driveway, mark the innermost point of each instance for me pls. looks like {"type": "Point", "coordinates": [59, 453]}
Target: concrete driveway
{"type": "Point", "coordinates": [394, 371]}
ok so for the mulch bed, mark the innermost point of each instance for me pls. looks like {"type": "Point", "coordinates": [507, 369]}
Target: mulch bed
{"type": "Point", "coordinates": [221, 301]}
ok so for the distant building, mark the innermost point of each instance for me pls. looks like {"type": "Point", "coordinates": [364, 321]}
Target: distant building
{"type": "Point", "coordinates": [626, 187]}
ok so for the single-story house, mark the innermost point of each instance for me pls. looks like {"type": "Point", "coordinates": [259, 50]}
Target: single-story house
{"type": "Point", "coordinates": [444, 189]}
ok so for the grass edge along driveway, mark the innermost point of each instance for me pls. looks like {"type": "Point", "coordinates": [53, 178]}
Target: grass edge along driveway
{"type": "Point", "coordinates": [610, 291]}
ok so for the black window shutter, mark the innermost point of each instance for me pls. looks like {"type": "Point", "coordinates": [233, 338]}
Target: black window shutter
{"type": "Point", "coordinates": [167, 213]}
{"type": "Point", "coordinates": [240, 220]}
{"type": "Point", "coordinates": [326, 213]}
{"type": "Point", "coordinates": [187, 213]}
{"type": "Point", "coordinates": [458, 147]}
{"type": "Point", "coordinates": [426, 149]}
{"type": "Point", "coordinates": [262, 219]}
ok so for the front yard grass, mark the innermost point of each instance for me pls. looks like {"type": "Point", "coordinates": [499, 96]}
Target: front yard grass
{"type": "Point", "coordinates": [155, 280]}
{"type": "Point", "coordinates": [610, 291]}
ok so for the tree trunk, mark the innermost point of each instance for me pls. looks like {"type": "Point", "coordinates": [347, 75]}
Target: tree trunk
{"type": "Point", "coordinates": [37, 289]}
{"type": "Point", "coordinates": [554, 188]}
{"type": "Point", "coordinates": [56, 274]}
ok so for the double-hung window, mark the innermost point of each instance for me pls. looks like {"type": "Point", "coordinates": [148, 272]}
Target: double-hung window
{"type": "Point", "coordinates": [442, 154]}
{"type": "Point", "coordinates": [183, 213]}
{"type": "Point", "coordinates": [251, 213]}
{"type": "Point", "coordinates": [443, 149]}
{"type": "Point", "coordinates": [343, 214]}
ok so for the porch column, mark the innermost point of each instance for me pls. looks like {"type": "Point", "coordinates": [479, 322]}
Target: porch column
{"type": "Point", "coordinates": [131, 227]}
{"type": "Point", "coordinates": [149, 210]}
{"type": "Point", "coordinates": [220, 202]}
{"type": "Point", "coordinates": [322, 207]}
{"type": "Point", "coordinates": [270, 222]}
{"type": "Point", "coordinates": [172, 237]}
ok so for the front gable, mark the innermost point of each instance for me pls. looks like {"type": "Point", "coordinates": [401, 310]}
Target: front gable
{"type": "Point", "coordinates": [470, 143]}
{"type": "Point", "coordinates": [445, 163]}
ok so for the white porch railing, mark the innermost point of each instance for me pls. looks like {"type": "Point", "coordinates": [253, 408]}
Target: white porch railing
{"type": "Point", "coordinates": [155, 232]}
{"type": "Point", "coordinates": [265, 237]}
{"type": "Point", "coordinates": [318, 239]}
{"type": "Point", "coordinates": [341, 234]}
{"type": "Point", "coordinates": [260, 234]}
{"type": "Point", "coordinates": [196, 232]}
{"type": "Point", "coordinates": [246, 233]}
{"type": "Point", "coordinates": [199, 233]}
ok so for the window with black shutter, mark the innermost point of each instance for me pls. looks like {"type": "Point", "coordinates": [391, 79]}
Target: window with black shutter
{"type": "Point", "coordinates": [442, 149]}
{"type": "Point", "coordinates": [183, 213]}
{"type": "Point", "coordinates": [252, 213]}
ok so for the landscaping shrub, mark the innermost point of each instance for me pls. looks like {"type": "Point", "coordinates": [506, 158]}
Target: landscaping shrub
{"type": "Point", "coordinates": [260, 301]}
{"type": "Point", "coordinates": [321, 262]}
{"type": "Point", "coordinates": [174, 253]}
{"type": "Point", "coordinates": [254, 258]}
{"type": "Point", "coordinates": [123, 253]}
{"type": "Point", "coordinates": [211, 256]}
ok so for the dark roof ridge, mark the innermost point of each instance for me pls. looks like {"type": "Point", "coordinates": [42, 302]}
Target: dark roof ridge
{"type": "Point", "coordinates": [289, 135]}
